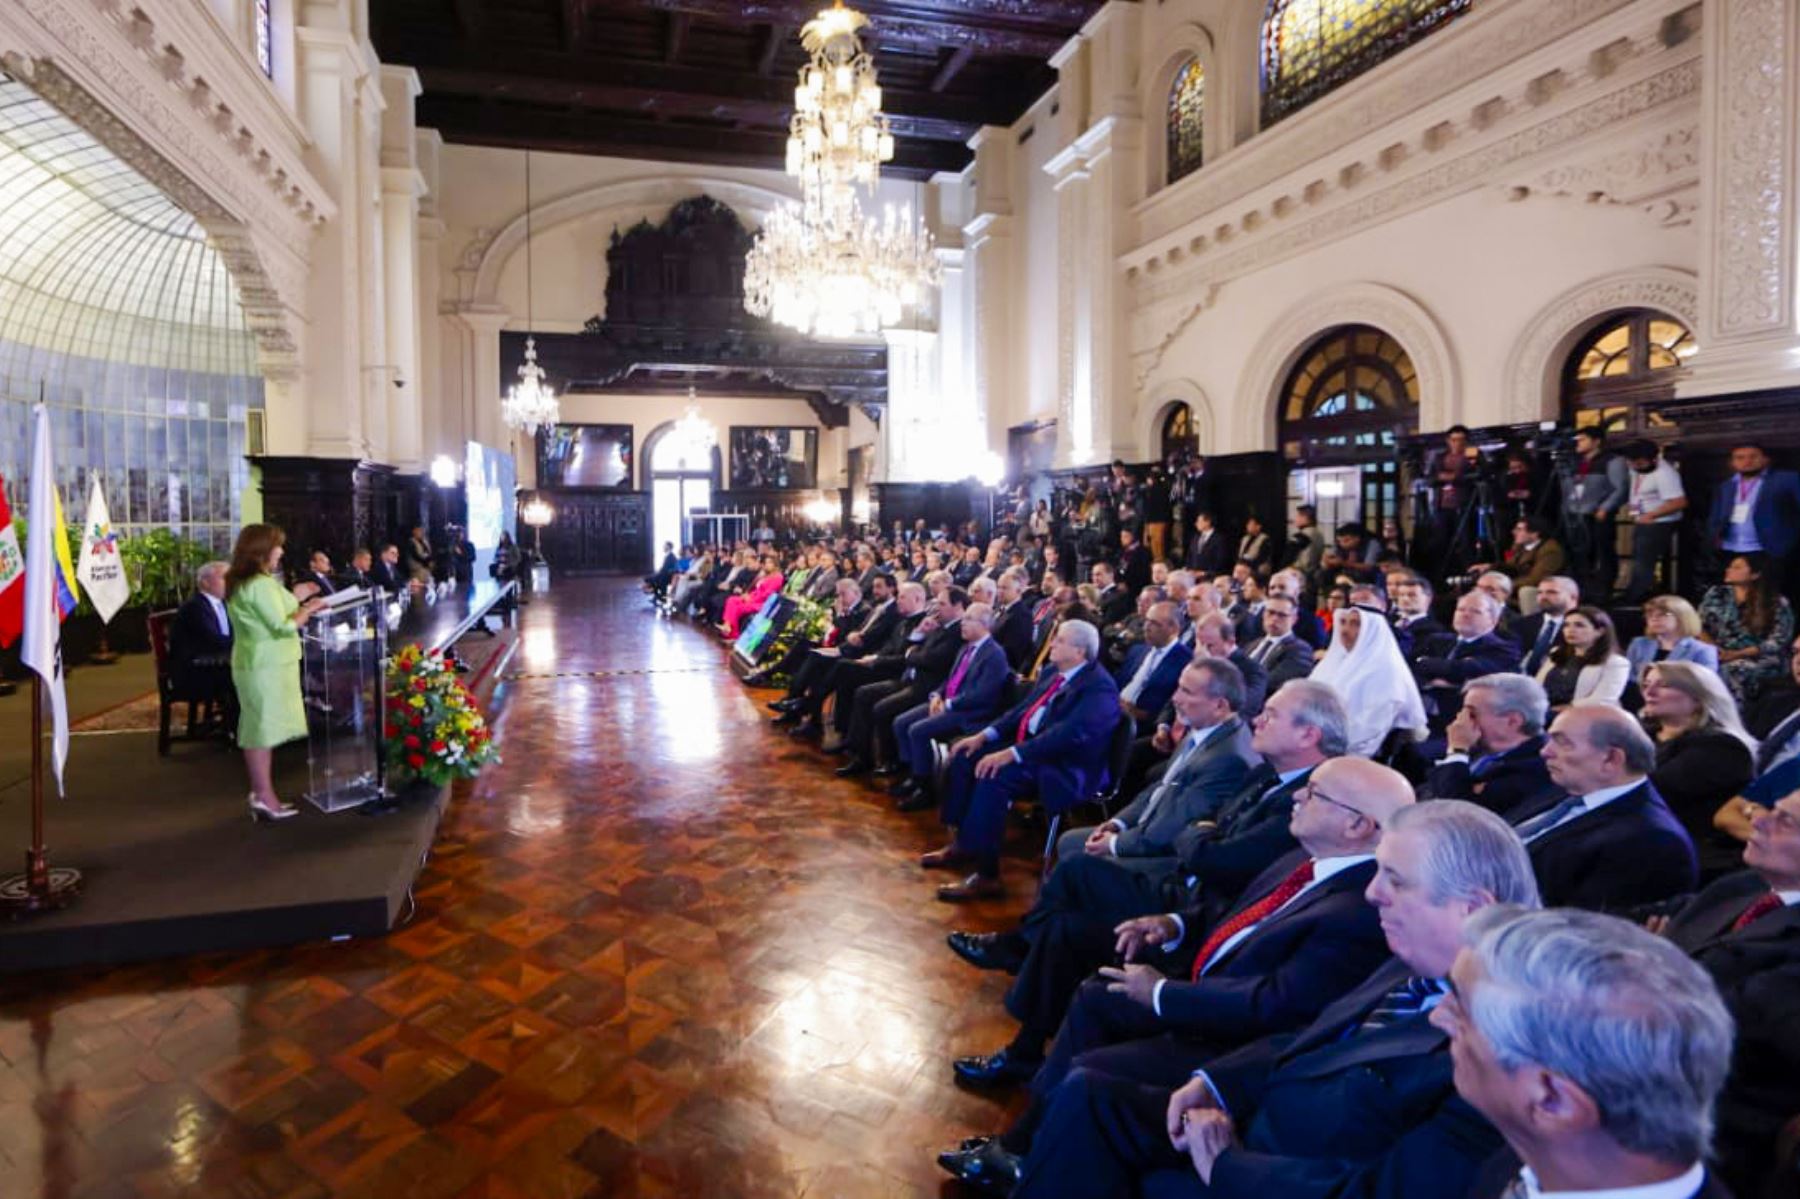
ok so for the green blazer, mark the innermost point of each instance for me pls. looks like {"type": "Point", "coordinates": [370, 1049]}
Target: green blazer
{"type": "Point", "coordinates": [262, 624]}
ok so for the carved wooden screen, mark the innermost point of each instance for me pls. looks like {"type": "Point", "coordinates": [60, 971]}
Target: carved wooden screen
{"type": "Point", "coordinates": [1187, 104]}
{"type": "Point", "coordinates": [1310, 47]}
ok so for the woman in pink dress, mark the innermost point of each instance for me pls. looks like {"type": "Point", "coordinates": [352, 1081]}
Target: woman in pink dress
{"type": "Point", "coordinates": [740, 608]}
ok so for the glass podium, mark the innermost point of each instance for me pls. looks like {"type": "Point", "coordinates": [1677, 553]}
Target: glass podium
{"type": "Point", "coordinates": [343, 663]}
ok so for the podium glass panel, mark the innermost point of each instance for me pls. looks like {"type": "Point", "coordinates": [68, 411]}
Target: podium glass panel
{"type": "Point", "coordinates": [344, 653]}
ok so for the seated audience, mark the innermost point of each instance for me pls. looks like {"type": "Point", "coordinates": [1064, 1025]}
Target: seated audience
{"type": "Point", "coordinates": [1208, 552]}
{"type": "Point", "coordinates": [1541, 632]}
{"type": "Point", "coordinates": [1148, 677]}
{"type": "Point", "coordinates": [1121, 637]}
{"type": "Point", "coordinates": [318, 573]}
{"type": "Point", "coordinates": [1112, 601]}
{"type": "Point", "coordinates": [1500, 587]}
{"type": "Point", "coordinates": [1603, 839]}
{"type": "Point", "coordinates": [741, 607]}
{"type": "Point", "coordinates": [200, 641]}
{"type": "Point", "coordinates": [386, 571]}
{"type": "Point", "coordinates": [1533, 556]}
{"type": "Point", "coordinates": [1216, 637]}
{"type": "Point", "coordinates": [1053, 743]}
{"type": "Point", "coordinates": [1749, 623]}
{"type": "Point", "coordinates": [1671, 634]}
{"type": "Point", "coordinates": [1586, 662]}
{"type": "Point", "coordinates": [1292, 585]}
{"type": "Point", "coordinates": [1014, 602]}
{"type": "Point", "coordinates": [1282, 656]}
{"type": "Point", "coordinates": [1595, 1048]}
{"type": "Point", "coordinates": [1472, 649]}
{"type": "Point", "coordinates": [1745, 930]}
{"type": "Point", "coordinates": [658, 584]}
{"type": "Point", "coordinates": [1502, 720]}
{"type": "Point", "coordinates": [1360, 1099]}
{"type": "Point", "coordinates": [1413, 623]}
{"type": "Point", "coordinates": [1364, 667]}
{"type": "Point", "coordinates": [361, 560]}
{"type": "Point", "coordinates": [972, 694]}
{"type": "Point", "coordinates": [1704, 758]}
{"type": "Point", "coordinates": [867, 730]}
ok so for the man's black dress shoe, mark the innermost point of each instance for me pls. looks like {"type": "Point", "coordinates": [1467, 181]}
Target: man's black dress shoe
{"type": "Point", "coordinates": [995, 1070]}
{"type": "Point", "coordinates": [792, 703]}
{"type": "Point", "coordinates": [915, 801]}
{"type": "Point", "coordinates": [790, 716]}
{"type": "Point", "coordinates": [902, 787]}
{"type": "Point", "coordinates": [852, 768]}
{"type": "Point", "coordinates": [990, 951]}
{"type": "Point", "coordinates": [888, 770]}
{"type": "Point", "coordinates": [985, 1164]}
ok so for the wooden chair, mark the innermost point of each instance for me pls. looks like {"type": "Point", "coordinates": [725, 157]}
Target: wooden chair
{"type": "Point", "coordinates": [205, 713]}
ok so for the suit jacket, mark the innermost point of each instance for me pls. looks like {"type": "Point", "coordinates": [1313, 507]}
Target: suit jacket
{"type": "Point", "coordinates": [199, 651]}
{"type": "Point", "coordinates": [1530, 567]}
{"type": "Point", "coordinates": [1775, 514]}
{"type": "Point", "coordinates": [1757, 971]}
{"type": "Point", "coordinates": [1134, 568]}
{"type": "Point", "coordinates": [1256, 683]}
{"type": "Point", "coordinates": [1499, 1173]}
{"type": "Point", "coordinates": [1444, 659]}
{"type": "Point", "coordinates": [1075, 731]}
{"type": "Point", "coordinates": [1288, 968]}
{"type": "Point", "coordinates": [1012, 629]}
{"type": "Point", "coordinates": [1411, 638]}
{"type": "Point", "coordinates": [1501, 784]}
{"type": "Point", "coordinates": [1336, 1111]}
{"type": "Point", "coordinates": [875, 631]}
{"type": "Point", "coordinates": [1160, 686]}
{"type": "Point", "coordinates": [1116, 604]}
{"type": "Point", "coordinates": [1630, 852]}
{"type": "Point", "coordinates": [1292, 659]}
{"type": "Point", "coordinates": [1221, 856]}
{"type": "Point", "coordinates": [1642, 651]}
{"type": "Point", "coordinates": [965, 573]}
{"type": "Point", "coordinates": [322, 582]}
{"type": "Point", "coordinates": [1211, 775]}
{"type": "Point", "coordinates": [821, 585]}
{"type": "Point", "coordinates": [929, 662]}
{"type": "Point", "coordinates": [1213, 556]}
{"type": "Point", "coordinates": [386, 577]}
{"type": "Point", "coordinates": [983, 686]}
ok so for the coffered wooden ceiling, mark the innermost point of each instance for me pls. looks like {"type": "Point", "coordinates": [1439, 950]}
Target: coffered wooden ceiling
{"type": "Point", "coordinates": [713, 80]}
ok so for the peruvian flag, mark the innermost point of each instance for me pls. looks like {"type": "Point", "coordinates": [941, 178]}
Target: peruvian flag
{"type": "Point", "coordinates": [12, 576]}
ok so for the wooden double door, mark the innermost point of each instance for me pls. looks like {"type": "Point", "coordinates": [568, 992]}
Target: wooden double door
{"type": "Point", "coordinates": [598, 532]}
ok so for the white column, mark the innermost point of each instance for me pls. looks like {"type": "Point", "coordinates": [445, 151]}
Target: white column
{"type": "Point", "coordinates": [921, 430]}
{"type": "Point", "coordinates": [479, 383]}
{"type": "Point", "coordinates": [1750, 122]}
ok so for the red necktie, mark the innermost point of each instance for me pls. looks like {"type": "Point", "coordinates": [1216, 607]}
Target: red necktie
{"type": "Point", "coordinates": [1256, 913]}
{"type": "Point", "coordinates": [1025, 720]}
{"type": "Point", "coordinates": [1756, 911]}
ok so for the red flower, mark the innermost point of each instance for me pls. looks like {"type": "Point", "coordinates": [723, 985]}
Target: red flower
{"type": "Point", "coordinates": [411, 742]}
{"type": "Point", "coordinates": [416, 721]}
{"type": "Point", "coordinates": [437, 747]}
{"type": "Point", "coordinates": [420, 684]}
{"type": "Point", "coordinates": [389, 730]}
{"type": "Point", "coordinates": [415, 761]}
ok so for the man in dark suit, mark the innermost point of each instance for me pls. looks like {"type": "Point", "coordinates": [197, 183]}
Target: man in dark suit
{"type": "Point", "coordinates": [1053, 743]}
{"type": "Point", "coordinates": [200, 640]}
{"type": "Point", "coordinates": [1071, 929]}
{"type": "Point", "coordinates": [1116, 603]}
{"type": "Point", "coordinates": [841, 675]}
{"type": "Point", "coordinates": [1595, 1048]}
{"type": "Point", "coordinates": [1282, 656]}
{"type": "Point", "coordinates": [1208, 553]}
{"type": "Point", "coordinates": [865, 636]}
{"type": "Point", "coordinates": [1216, 637]}
{"type": "Point", "coordinates": [1414, 626]}
{"type": "Point", "coordinates": [972, 694]}
{"type": "Point", "coordinates": [869, 734]}
{"type": "Point", "coordinates": [1603, 839]}
{"type": "Point", "coordinates": [1494, 748]}
{"type": "Point", "coordinates": [1745, 930]}
{"type": "Point", "coordinates": [385, 572]}
{"type": "Point", "coordinates": [822, 583]}
{"type": "Point", "coordinates": [1148, 677]}
{"type": "Point", "coordinates": [1756, 510]}
{"type": "Point", "coordinates": [318, 573]}
{"type": "Point", "coordinates": [1134, 562]}
{"type": "Point", "coordinates": [361, 563]}
{"type": "Point", "coordinates": [1307, 626]}
{"type": "Point", "coordinates": [1538, 633]}
{"type": "Point", "coordinates": [1012, 619]}
{"type": "Point", "coordinates": [966, 571]}
{"type": "Point", "coordinates": [1472, 650]}
{"type": "Point", "coordinates": [1361, 1102]}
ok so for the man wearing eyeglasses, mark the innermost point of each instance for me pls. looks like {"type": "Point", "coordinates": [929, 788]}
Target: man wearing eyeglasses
{"type": "Point", "coordinates": [1745, 930]}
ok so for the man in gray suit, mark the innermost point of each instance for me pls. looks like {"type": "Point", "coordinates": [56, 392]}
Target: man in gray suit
{"type": "Point", "coordinates": [1281, 654]}
{"type": "Point", "coordinates": [1207, 769]}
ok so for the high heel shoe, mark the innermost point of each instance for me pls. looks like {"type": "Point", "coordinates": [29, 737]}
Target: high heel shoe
{"type": "Point", "coordinates": [260, 813]}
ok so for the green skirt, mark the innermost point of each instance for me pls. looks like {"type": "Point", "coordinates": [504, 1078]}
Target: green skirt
{"type": "Point", "coordinates": [271, 710]}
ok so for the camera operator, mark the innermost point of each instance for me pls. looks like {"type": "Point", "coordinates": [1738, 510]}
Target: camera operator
{"type": "Point", "coordinates": [1601, 486]}
{"type": "Point", "coordinates": [1656, 504]}
{"type": "Point", "coordinates": [1452, 483]}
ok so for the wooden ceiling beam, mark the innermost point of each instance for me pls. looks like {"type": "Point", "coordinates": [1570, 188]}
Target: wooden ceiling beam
{"type": "Point", "coordinates": [914, 24]}
{"type": "Point", "coordinates": [675, 36]}
{"type": "Point", "coordinates": [574, 24]}
{"type": "Point", "coordinates": [468, 18]}
{"type": "Point", "coordinates": [955, 61]}
{"type": "Point", "coordinates": [773, 37]}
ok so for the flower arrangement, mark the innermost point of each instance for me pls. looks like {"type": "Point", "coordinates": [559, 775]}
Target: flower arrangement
{"type": "Point", "coordinates": [433, 730]}
{"type": "Point", "coordinates": [808, 623]}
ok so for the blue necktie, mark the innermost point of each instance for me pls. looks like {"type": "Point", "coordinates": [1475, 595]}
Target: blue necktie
{"type": "Point", "coordinates": [1407, 999]}
{"type": "Point", "coordinates": [1538, 825]}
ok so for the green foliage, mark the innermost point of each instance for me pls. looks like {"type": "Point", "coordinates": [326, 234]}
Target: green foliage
{"type": "Point", "coordinates": [159, 565]}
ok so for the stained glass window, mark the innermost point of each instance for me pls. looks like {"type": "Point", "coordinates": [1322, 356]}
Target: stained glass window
{"type": "Point", "coordinates": [1312, 46]}
{"type": "Point", "coordinates": [1627, 359]}
{"type": "Point", "coordinates": [1187, 100]}
{"type": "Point", "coordinates": [265, 39]}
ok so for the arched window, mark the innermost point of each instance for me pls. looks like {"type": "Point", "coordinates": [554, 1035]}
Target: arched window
{"type": "Point", "coordinates": [1627, 359]}
{"type": "Point", "coordinates": [1348, 400]}
{"type": "Point", "coordinates": [1310, 47]}
{"type": "Point", "coordinates": [1178, 433]}
{"type": "Point", "coordinates": [265, 38]}
{"type": "Point", "coordinates": [681, 480]}
{"type": "Point", "coordinates": [1187, 103]}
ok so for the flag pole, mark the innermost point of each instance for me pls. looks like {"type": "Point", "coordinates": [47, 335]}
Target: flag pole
{"type": "Point", "coordinates": [41, 888]}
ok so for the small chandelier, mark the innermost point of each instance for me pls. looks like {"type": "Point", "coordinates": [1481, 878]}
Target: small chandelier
{"type": "Point", "coordinates": [695, 436]}
{"type": "Point", "coordinates": [823, 266]}
{"type": "Point", "coordinates": [530, 404]}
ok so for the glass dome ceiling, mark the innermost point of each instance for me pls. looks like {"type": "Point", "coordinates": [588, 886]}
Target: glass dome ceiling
{"type": "Point", "coordinates": [96, 263]}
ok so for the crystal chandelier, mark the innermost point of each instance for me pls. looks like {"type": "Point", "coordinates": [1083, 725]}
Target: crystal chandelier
{"type": "Point", "coordinates": [824, 266]}
{"type": "Point", "coordinates": [529, 405]}
{"type": "Point", "coordinates": [695, 436]}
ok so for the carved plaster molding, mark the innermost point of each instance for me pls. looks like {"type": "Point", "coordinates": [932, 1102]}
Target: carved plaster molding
{"type": "Point", "coordinates": [1164, 396]}
{"type": "Point", "coordinates": [1754, 182]}
{"type": "Point", "coordinates": [1386, 308]}
{"type": "Point", "coordinates": [1537, 357]}
{"type": "Point", "coordinates": [1650, 175]}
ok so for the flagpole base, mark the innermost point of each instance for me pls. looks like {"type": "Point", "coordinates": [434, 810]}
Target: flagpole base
{"type": "Point", "coordinates": [40, 889]}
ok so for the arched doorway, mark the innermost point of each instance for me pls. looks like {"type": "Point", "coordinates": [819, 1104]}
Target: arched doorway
{"type": "Point", "coordinates": [1178, 434]}
{"type": "Point", "coordinates": [1628, 360]}
{"type": "Point", "coordinates": [681, 481]}
{"type": "Point", "coordinates": [1349, 398]}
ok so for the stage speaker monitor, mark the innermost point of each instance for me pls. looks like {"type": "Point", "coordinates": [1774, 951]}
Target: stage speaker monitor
{"type": "Point", "coordinates": [759, 635]}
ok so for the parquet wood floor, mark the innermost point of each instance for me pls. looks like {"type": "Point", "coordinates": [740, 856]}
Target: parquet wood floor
{"type": "Point", "coordinates": [659, 951]}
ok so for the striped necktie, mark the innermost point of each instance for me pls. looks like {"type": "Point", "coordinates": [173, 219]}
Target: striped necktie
{"type": "Point", "coordinates": [1407, 999]}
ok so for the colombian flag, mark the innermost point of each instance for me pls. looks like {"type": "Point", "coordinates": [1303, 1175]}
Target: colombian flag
{"type": "Point", "coordinates": [65, 567]}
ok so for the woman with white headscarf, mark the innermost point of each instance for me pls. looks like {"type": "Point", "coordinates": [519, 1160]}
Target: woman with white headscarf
{"type": "Point", "coordinates": [1364, 666]}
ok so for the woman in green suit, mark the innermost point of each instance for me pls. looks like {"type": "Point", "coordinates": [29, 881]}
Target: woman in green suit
{"type": "Point", "coordinates": [265, 659]}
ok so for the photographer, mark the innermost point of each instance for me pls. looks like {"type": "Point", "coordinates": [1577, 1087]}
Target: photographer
{"type": "Point", "coordinates": [1600, 487]}
{"type": "Point", "coordinates": [1449, 468]}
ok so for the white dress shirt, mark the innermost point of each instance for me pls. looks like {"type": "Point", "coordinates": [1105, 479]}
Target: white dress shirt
{"type": "Point", "coordinates": [1679, 1187]}
{"type": "Point", "coordinates": [218, 610]}
{"type": "Point", "coordinates": [1145, 669]}
{"type": "Point", "coordinates": [1590, 803]}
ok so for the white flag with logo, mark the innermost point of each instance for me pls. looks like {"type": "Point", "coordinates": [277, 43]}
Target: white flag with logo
{"type": "Point", "coordinates": [101, 572]}
{"type": "Point", "coordinates": [49, 587]}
